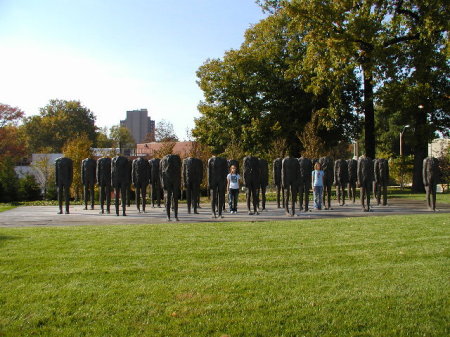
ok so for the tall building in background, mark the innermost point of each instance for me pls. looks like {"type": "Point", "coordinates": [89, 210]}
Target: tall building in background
{"type": "Point", "coordinates": [142, 128]}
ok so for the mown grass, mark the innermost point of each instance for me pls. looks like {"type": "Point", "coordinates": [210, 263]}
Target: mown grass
{"type": "Point", "coordinates": [5, 207]}
{"type": "Point", "coordinates": [374, 276]}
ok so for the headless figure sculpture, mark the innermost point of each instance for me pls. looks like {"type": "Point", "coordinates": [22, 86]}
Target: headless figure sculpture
{"type": "Point", "coordinates": [140, 174]}
{"type": "Point", "coordinates": [304, 182]}
{"type": "Point", "coordinates": [104, 182]}
{"type": "Point", "coordinates": [155, 181]}
{"type": "Point", "coordinates": [217, 180]}
{"type": "Point", "coordinates": [340, 179]}
{"type": "Point", "coordinates": [431, 174]}
{"type": "Point", "coordinates": [352, 178]}
{"type": "Point", "coordinates": [192, 178]}
{"type": "Point", "coordinates": [251, 179]}
{"type": "Point", "coordinates": [365, 178]}
{"type": "Point", "coordinates": [381, 173]}
{"type": "Point", "coordinates": [290, 172]}
{"type": "Point", "coordinates": [170, 173]}
{"type": "Point", "coordinates": [328, 176]}
{"type": "Point", "coordinates": [64, 177]}
{"type": "Point", "coordinates": [120, 181]}
{"type": "Point", "coordinates": [88, 178]}
{"type": "Point", "coordinates": [277, 180]}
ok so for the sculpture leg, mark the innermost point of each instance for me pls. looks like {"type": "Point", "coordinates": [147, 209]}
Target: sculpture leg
{"type": "Point", "coordinates": [175, 202]}
{"type": "Point", "coordinates": [263, 197]}
{"type": "Point", "coordinates": [194, 197]}
{"type": "Point", "coordinates": [221, 199]}
{"type": "Point", "coordinates": [248, 197]}
{"type": "Point", "coordinates": [124, 192]}
{"type": "Point", "coordinates": [255, 200]}
{"type": "Point", "coordinates": [67, 197]}
{"type": "Point", "coordinates": [144, 197]}
{"type": "Point", "coordinates": [278, 196]}
{"type": "Point", "coordinates": [362, 192]}
{"type": "Point", "coordinates": [338, 193]}
{"type": "Point", "coordinates": [137, 196]}
{"type": "Point", "coordinates": [92, 188]}
{"type": "Point", "coordinates": [294, 199]}
{"type": "Point", "coordinates": [102, 199]}
{"type": "Point", "coordinates": [85, 195]}
{"type": "Point", "coordinates": [300, 196]}
{"type": "Point", "coordinates": [60, 199]}
{"type": "Point", "coordinates": [343, 194]}
{"type": "Point", "coordinates": [108, 198]}
{"type": "Point", "coordinates": [306, 191]}
{"type": "Point", "coordinates": [168, 199]}
{"type": "Point", "coordinates": [128, 196]}
{"type": "Point", "coordinates": [213, 194]}
{"type": "Point", "coordinates": [434, 187]}
{"type": "Point", "coordinates": [189, 198]}
{"type": "Point", "coordinates": [117, 199]}
{"type": "Point", "coordinates": [283, 195]}
{"type": "Point", "coordinates": [384, 194]}
{"type": "Point", "coordinates": [368, 192]}
{"type": "Point", "coordinates": [286, 204]}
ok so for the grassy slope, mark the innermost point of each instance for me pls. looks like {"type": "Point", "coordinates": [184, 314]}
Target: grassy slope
{"type": "Point", "coordinates": [5, 207]}
{"type": "Point", "coordinates": [376, 276]}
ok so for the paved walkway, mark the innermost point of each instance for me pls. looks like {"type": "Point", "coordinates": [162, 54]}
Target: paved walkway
{"type": "Point", "coordinates": [46, 215]}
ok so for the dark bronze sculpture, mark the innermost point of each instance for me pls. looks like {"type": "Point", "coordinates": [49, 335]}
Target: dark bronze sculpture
{"type": "Point", "coordinates": [365, 178]}
{"type": "Point", "coordinates": [64, 177]}
{"type": "Point", "coordinates": [120, 181]}
{"type": "Point", "coordinates": [192, 178]}
{"type": "Point", "coordinates": [217, 181]}
{"type": "Point", "coordinates": [431, 175]}
{"type": "Point", "coordinates": [304, 185]}
{"type": "Point", "coordinates": [264, 181]}
{"type": "Point", "coordinates": [140, 174]}
{"type": "Point", "coordinates": [88, 178]}
{"type": "Point", "coordinates": [130, 178]}
{"type": "Point", "coordinates": [381, 175]}
{"type": "Point", "coordinates": [170, 173]}
{"type": "Point", "coordinates": [251, 180]}
{"type": "Point", "coordinates": [104, 182]}
{"type": "Point", "coordinates": [340, 179]}
{"type": "Point", "coordinates": [328, 176]}
{"type": "Point", "coordinates": [290, 172]}
{"type": "Point", "coordinates": [277, 163]}
{"type": "Point", "coordinates": [155, 181]}
{"type": "Point", "coordinates": [352, 178]}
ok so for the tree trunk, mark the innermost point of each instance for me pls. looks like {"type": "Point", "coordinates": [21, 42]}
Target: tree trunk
{"type": "Point", "coordinates": [420, 149]}
{"type": "Point", "coordinates": [369, 115]}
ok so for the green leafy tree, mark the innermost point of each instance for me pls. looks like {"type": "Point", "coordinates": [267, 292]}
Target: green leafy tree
{"type": "Point", "coordinates": [103, 140]}
{"type": "Point", "coordinates": [358, 36]}
{"type": "Point", "coordinates": [164, 132]}
{"type": "Point", "coordinates": [122, 137]}
{"type": "Point", "coordinates": [58, 122]}
{"type": "Point", "coordinates": [252, 96]}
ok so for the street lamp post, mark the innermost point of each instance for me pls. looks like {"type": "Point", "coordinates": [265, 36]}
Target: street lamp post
{"type": "Point", "coordinates": [402, 158]}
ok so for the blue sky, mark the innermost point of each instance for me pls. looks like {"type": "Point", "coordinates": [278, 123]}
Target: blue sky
{"type": "Point", "coordinates": [115, 56]}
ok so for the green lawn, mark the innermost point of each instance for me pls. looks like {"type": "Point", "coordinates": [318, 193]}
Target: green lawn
{"type": "Point", "coordinates": [5, 207]}
{"type": "Point", "coordinates": [375, 276]}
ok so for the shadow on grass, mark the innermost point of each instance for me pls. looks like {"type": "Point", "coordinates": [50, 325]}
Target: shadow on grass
{"type": "Point", "coordinates": [4, 238]}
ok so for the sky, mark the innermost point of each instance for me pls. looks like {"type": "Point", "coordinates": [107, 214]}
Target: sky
{"type": "Point", "coordinates": [116, 55]}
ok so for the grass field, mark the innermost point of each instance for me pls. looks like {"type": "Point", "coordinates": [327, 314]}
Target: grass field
{"type": "Point", "coordinates": [375, 276]}
{"type": "Point", "coordinates": [5, 207]}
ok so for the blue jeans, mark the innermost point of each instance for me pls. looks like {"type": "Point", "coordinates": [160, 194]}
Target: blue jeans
{"type": "Point", "coordinates": [233, 196]}
{"type": "Point", "coordinates": [318, 191]}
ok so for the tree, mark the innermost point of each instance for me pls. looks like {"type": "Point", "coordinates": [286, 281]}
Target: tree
{"type": "Point", "coordinates": [252, 95]}
{"type": "Point", "coordinates": [9, 115]}
{"type": "Point", "coordinates": [58, 122]}
{"type": "Point", "coordinates": [165, 132]}
{"type": "Point", "coordinates": [45, 173]}
{"type": "Point", "coordinates": [29, 189]}
{"type": "Point", "coordinates": [122, 137]}
{"type": "Point", "coordinates": [103, 140]}
{"type": "Point", "coordinates": [360, 36]}
{"type": "Point", "coordinates": [78, 149]}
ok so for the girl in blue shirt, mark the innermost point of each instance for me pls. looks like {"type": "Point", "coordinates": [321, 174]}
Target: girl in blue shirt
{"type": "Point", "coordinates": [317, 182]}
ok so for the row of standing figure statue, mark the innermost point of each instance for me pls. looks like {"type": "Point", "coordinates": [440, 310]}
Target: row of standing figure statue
{"type": "Point", "coordinates": [292, 177]}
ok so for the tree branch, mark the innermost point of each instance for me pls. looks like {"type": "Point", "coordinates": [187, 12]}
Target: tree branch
{"type": "Point", "coordinates": [401, 39]}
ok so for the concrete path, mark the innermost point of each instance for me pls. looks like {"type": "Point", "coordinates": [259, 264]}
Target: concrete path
{"type": "Point", "coordinates": [47, 215]}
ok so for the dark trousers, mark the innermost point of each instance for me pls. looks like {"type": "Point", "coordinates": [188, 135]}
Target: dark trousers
{"type": "Point", "coordinates": [233, 195]}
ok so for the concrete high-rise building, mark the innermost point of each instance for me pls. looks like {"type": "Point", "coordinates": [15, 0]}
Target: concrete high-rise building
{"type": "Point", "coordinates": [140, 125]}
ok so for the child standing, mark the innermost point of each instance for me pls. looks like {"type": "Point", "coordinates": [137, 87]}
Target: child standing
{"type": "Point", "coordinates": [317, 182]}
{"type": "Point", "coordinates": [233, 189]}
